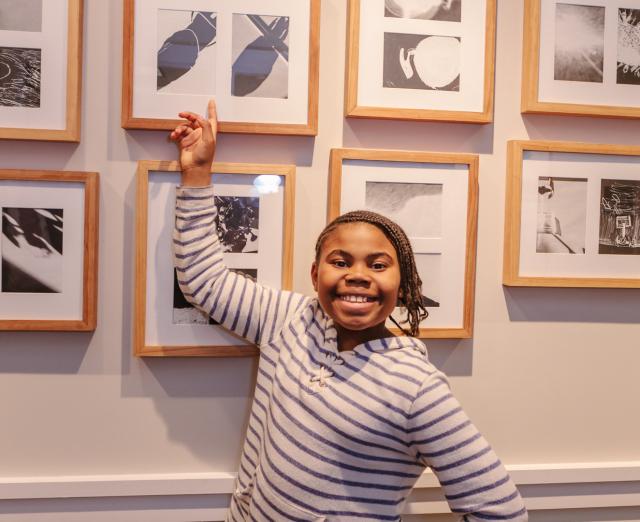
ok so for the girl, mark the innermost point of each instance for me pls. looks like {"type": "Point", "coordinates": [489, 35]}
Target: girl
{"type": "Point", "coordinates": [345, 416]}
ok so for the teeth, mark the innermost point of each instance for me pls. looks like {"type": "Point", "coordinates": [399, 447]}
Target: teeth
{"type": "Point", "coordinates": [357, 299]}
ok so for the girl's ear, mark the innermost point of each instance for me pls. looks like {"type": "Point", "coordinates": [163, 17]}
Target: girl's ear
{"type": "Point", "coordinates": [314, 275]}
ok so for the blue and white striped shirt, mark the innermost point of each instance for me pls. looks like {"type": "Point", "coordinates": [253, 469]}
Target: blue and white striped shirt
{"type": "Point", "coordinates": [335, 436]}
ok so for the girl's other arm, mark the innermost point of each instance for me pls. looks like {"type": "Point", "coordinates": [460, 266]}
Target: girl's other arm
{"type": "Point", "coordinates": [475, 483]}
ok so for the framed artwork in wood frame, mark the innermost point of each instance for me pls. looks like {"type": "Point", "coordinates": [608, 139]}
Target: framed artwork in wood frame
{"type": "Point", "coordinates": [260, 60]}
{"type": "Point", "coordinates": [434, 198]}
{"type": "Point", "coordinates": [40, 69]}
{"type": "Point", "coordinates": [48, 250]}
{"type": "Point", "coordinates": [588, 64]}
{"type": "Point", "coordinates": [572, 215]}
{"type": "Point", "coordinates": [433, 61]}
{"type": "Point", "coordinates": [165, 324]}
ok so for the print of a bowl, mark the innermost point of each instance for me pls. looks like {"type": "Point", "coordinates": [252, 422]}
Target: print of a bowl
{"type": "Point", "coordinates": [424, 9]}
{"type": "Point", "coordinates": [437, 60]}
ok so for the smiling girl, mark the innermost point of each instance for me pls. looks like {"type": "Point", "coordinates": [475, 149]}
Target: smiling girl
{"type": "Point", "coordinates": [346, 416]}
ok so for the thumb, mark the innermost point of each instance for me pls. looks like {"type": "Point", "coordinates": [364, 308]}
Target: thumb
{"type": "Point", "coordinates": [212, 115]}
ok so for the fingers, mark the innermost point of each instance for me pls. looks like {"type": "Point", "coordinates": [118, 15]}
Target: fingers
{"type": "Point", "coordinates": [212, 114]}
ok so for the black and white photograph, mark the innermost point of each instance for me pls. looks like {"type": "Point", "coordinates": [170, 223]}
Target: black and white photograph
{"type": "Point", "coordinates": [260, 52]}
{"type": "Point", "coordinates": [416, 207]}
{"type": "Point", "coordinates": [21, 15]}
{"type": "Point", "coordinates": [440, 10]}
{"type": "Point", "coordinates": [238, 223]}
{"type": "Point", "coordinates": [428, 62]}
{"type": "Point", "coordinates": [185, 313]}
{"type": "Point", "coordinates": [31, 250]}
{"type": "Point", "coordinates": [186, 51]}
{"type": "Point", "coordinates": [20, 71]}
{"type": "Point", "coordinates": [562, 215]}
{"type": "Point", "coordinates": [620, 217]}
{"type": "Point", "coordinates": [579, 44]}
{"type": "Point", "coordinates": [429, 268]}
{"type": "Point", "coordinates": [628, 66]}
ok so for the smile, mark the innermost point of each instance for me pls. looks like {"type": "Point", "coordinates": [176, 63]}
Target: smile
{"type": "Point", "coordinates": [357, 299]}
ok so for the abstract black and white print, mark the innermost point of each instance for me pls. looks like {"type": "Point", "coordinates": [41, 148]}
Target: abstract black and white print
{"type": "Point", "coordinates": [628, 71]}
{"type": "Point", "coordinates": [185, 313]}
{"type": "Point", "coordinates": [414, 61]}
{"type": "Point", "coordinates": [238, 223]}
{"type": "Point", "coordinates": [579, 45]}
{"type": "Point", "coordinates": [562, 215]}
{"type": "Point", "coordinates": [31, 250]}
{"type": "Point", "coordinates": [186, 51]}
{"type": "Point", "coordinates": [21, 15]}
{"type": "Point", "coordinates": [620, 217]}
{"type": "Point", "coordinates": [20, 71]}
{"type": "Point", "coordinates": [442, 10]}
{"type": "Point", "coordinates": [429, 268]}
{"type": "Point", "coordinates": [260, 56]}
{"type": "Point", "coordinates": [416, 207]}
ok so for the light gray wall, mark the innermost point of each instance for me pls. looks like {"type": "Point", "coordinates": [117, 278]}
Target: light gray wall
{"type": "Point", "coordinates": [551, 375]}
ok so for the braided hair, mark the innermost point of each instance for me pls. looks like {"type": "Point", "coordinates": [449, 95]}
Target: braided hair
{"type": "Point", "coordinates": [410, 283]}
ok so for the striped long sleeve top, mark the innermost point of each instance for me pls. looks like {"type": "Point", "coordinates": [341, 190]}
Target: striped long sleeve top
{"type": "Point", "coordinates": [334, 436]}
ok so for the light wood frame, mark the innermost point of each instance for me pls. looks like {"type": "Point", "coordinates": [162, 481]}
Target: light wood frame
{"type": "Point", "coordinates": [513, 218]}
{"type": "Point", "coordinates": [128, 121]}
{"type": "Point", "coordinates": [71, 132]}
{"type": "Point", "coordinates": [139, 317]}
{"type": "Point", "coordinates": [530, 103]}
{"type": "Point", "coordinates": [354, 110]}
{"type": "Point", "coordinates": [472, 162]}
{"type": "Point", "coordinates": [90, 251]}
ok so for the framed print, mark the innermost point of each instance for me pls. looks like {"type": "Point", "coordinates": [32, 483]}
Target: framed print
{"type": "Point", "coordinates": [588, 62]}
{"type": "Point", "coordinates": [40, 69]}
{"type": "Point", "coordinates": [434, 198]}
{"type": "Point", "coordinates": [259, 59]}
{"type": "Point", "coordinates": [572, 215]}
{"type": "Point", "coordinates": [48, 250]}
{"type": "Point", "coordinates": [256, 202]}
{"type": "Point", "coordinates": [428, 60]}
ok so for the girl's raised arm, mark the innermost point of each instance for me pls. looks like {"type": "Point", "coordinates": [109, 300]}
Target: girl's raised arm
{"type": "Point", "coordinates": [238, 303]}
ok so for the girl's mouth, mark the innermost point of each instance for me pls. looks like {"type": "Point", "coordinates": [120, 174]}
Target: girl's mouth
{"type": "Point", "coordinates": [351, 298]}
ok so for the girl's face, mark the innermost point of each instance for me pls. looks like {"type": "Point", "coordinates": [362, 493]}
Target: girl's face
{"type": "Point", "coordinates": [357, 278]}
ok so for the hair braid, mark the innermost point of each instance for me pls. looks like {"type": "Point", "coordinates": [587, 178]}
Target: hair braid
{"type": "Point", "coordinates": [410, 282]}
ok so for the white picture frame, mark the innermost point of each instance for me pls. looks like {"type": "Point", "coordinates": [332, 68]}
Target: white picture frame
{"type": "Point", "coordinates": [259, 60]}
{"type": "Point", "coordinates": [434, 197]}
{"type": "Point", "coordinates": [165, 324]}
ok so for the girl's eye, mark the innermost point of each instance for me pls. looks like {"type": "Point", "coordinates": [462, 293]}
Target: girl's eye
{"type": "Point", "coordinates": [379, 266]}
{"type": "Point", "coordinates": [340, 263]}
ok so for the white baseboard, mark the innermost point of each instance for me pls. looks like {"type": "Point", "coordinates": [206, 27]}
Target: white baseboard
{"type": "Point", "coordinates": [205, 496]}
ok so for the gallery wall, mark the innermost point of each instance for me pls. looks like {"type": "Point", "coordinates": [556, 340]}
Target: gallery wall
{"type": "Point", "coordinates": [551, 376]}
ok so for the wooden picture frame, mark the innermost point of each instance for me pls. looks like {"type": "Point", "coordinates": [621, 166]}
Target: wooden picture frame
{"type": "Point", "coordinates": [580, 227]}
{"type": "Point", "coordinates": [283, 99]}
{"type": "Point", "coordinates": [156, 330]}
{"type": "Point", "coordinates": [382, 88]}
{"type": "Point", "coordinates": [38, 101]}
{"type": "Point", "coordinates": [559, 76]}
{"type": "Point", "coordinates": [49, 250]}
{"type": "Point", "coordinates": [444, 240]}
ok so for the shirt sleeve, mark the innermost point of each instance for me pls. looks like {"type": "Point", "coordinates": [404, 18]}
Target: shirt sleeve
{"type": "Point", "coordinates": [243, 306]}
{"type": "Point", "coordinates": [475, 483]}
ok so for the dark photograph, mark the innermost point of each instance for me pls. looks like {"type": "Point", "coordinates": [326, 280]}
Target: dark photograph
{"type": "Point", "coordinates": [31, 250]}
{"type": "Point", "coordinates": [21, 15]}
{"type": "Point", "coordinates": [260, 56]}
{"type": "Point", "coordinates": [185, 313]}
{"type": "Point", "coordinates": [579, 49]}
{"type": "Point", "coordinates": [20, 71]}
{"type": "Point", "coordinates": [416, 207]}
{"type": "Point", "coordinates": [620, 217]}
{"type": "Point", "coordinates": [238, 223]}
{"type": "Point", "coordinates": [414, 61]}
{"type": "Point", "coordinates": [628, 70]}
{"type": "Point", "coordinates": [562, 215]}
{"type": "Point", "coordinates": [441, 10]}
{"type": "Point", "coordinates": [191, 33]}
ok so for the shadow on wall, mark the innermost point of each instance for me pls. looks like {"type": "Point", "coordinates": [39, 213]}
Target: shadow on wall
{"type": "Point", "coordinates": [418, 135]}
{"type": "Point", "coordinates": [586, 305]}
{"type": "Point", "coordinates": [452, 356]}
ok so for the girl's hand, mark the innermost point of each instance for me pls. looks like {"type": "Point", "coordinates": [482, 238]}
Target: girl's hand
{"type": "Point", "coordinates": [196, 140]}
